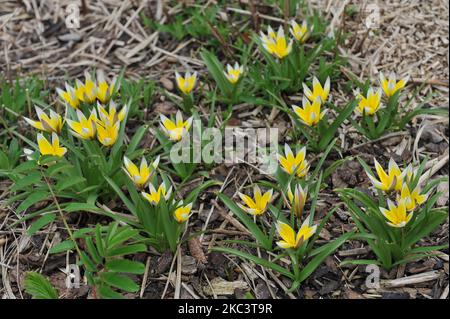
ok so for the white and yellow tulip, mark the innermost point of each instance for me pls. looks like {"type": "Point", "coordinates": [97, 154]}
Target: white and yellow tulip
{"type": "Point", "coordinates": [53, 148]}
{"type": "Point", "coordinates": [48, 123]}
{"type": "Point", "coordinates": [259, 204]}
{"type": "Point", "coordinates": [154, 196]}
{"type": "Point", "coordinates": [175, 130]}
{"type": "Point", "coordinates": [85, 128]}
{"type": "Point", "coordinates": [111, 116]}
{"type": "Point", "coordinates": [317, 90]}
{"type": "Point", "coordinates": [397, 216]}
{"type": "Point", "coordinates": [234, 73]}
{"type": "Point", "coordinates": [187, 82]}
{"type": "Point", "coordinates": [297, 199]}
{"type": "Point", "coordinates": [390, 85]}
{"type": "Point", "coordinates": [392, 180]}
{"type": "Point", "coordinates": [300, 32]}
{"type": "Point", "coordinates": [182, 213]}
{"type": "Point", "coordinates": [369, 104]}
{"type": "Point", "coordinates": [291, 163]}
{"type": "Point", "coordinates": [311, 113]}
{"type": "Point", "coordinates": [104, 89]}
{"type": "Point", "coordinates": [107, 133]}
{"type": "Point", "coordinates": [140, 176]}
{"type": "Point", "coordinates": [71, 96]}
{"type": "Point", "coordinates": [292, 240]}
{"type": "Point", "coordinates": [412, 198]}
{"type": "Point", "coordinates": [276, 44]}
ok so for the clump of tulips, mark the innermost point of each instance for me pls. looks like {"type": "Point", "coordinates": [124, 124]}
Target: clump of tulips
{"type": "Point", "coordinates": [402, 213]}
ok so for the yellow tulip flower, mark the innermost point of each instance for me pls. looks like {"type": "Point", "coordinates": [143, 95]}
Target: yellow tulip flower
{"type": "Point", "coordinates": [233, 73]}
{"type": "Point", "coordinates": [175, 130]}
{"type": "Point", "coordinates": [183, 213]}
{"type": "Point", "coordinates": [276, 44]}
{"type": "Point", "coordinates": [300, 33]}
{"type": "Point", "coordinates": [107, 133]}
{"type": "Point", "coordinates": [155, 195]}
{"type": "Point", "coordinates": [297, 199]}
{"type": "Point", "coordinates": [290, 163]}
{"type": "Point", "coordinates": [111, 116]}
{"type": "Point", "coordinates": [290, 239]}
{"type": "Point", "coordinates": [105, 90]}
{"type": "Point", "coordinates": [85, 128]}
{"type": "Point", "coordinates": [140, 176]}
{"type": "Point", "coordinates": [71, 96]}
{"type": "Point", "coordinates": [260, 203]}
{"type": "Point", "coordinates": [396, 215]}
{"type": "Point", "coordinates": [317, 90]}
{"type": "Point", "coordinates": [186, 83]}
{"type": "Point", "coordinates": [388, 181]}
{"type": "Point", "coordinates": [310, 114]}
{"type": "Point", "coordinates": [412, 199]}
{"type": "Point", "coordinates": [369, 105]}
{"type": "Point", "coordinates": [47, 148]}
{"type": "Point", "coordinates": [89, 88]}
{"type": "Point", "coordinates": [390, 85]}
{"type": "Point", "coordinates": [52, 123]}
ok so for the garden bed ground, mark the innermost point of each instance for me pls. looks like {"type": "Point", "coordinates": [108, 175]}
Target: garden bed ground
{"type": "Point", "coordinates": [412, 38]}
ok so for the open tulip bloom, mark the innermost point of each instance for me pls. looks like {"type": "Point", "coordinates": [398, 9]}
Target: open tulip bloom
{"type": "Point", "coordinates": [155, 195]}
{"type": "Point", "coordinates": [412, 199]}
{"type": "Point", "coordinates": [175, 130]}
{"type": "Point", "coordinates": [85, 128]}
{"type": "Point", "coordinates": [111, 116]}
{"type": "Point", "coordinates": [291, 163]}
{"type": "Point", "coordinates": [140, 176]}
{"type": "Point", "coordinates": [107, 132]}
{"type": "Point", "coordinates": [183, 212]}
{"type": "Point", "coordinates": [396, 215]}
{"type": "Point", "coordinates": [276, 43]}
{"type": "Point", "coordinates": [52, 123]}
{"type": "Point", "coordinates": [376, 120]}
{"type": "Point", "coordinates": [187, 82]}
{"type": "Point", "coordinates": [234, 73]}
{"type": "Point", "coordinates": [310, 119]}
{"type": "Point", "coordinates": [257, 205]}
{"type": "Point", "coordinates": [53, 148]}
{"type": "Point", "coordinates": [71, 96]}
{"type": "Point", "coordinates": [390, 180]}
{"type": "Point", "coordinates": [395, 113]}
{"type": "Point", "coordinates": [310, 114]}
{"type": "Point", "coordinates": [292, 240]}
{"type": "Point", "coordinates": [391, 85]}
{"type": "Point", "coordinates": [317, 91]}
{"type": "Point", "coordinates": [370, 104]}
{"type": "Point", "coordinates": [300, 32]}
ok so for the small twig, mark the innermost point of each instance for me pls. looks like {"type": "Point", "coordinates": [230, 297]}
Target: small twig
{"type": "Point", "coordinates": [411, 280]}
{"type": "Point", "coordinates": [178, 277]}
{"type": "Point", "coordinates": [145, 278]}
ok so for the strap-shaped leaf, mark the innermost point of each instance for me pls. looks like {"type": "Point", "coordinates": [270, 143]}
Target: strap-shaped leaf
{"type": "Point", "coordinates": [119, 281]}
{"type": "Point", "coordinates": [125, 266]}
